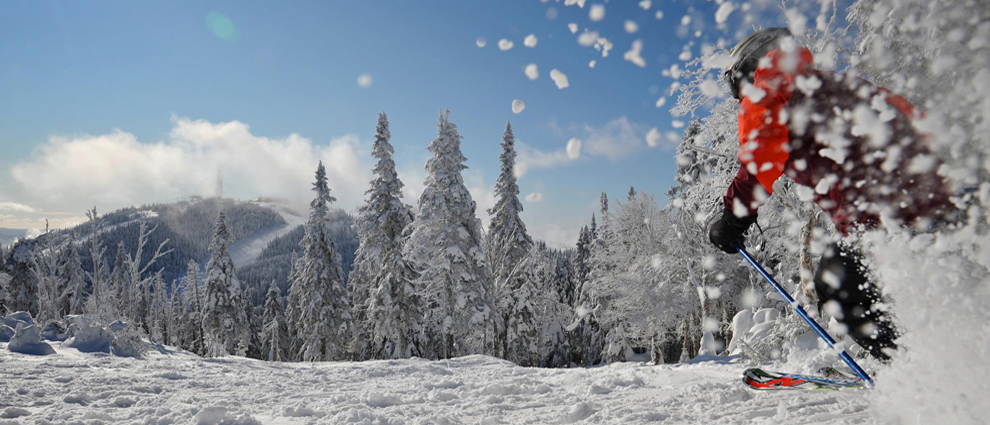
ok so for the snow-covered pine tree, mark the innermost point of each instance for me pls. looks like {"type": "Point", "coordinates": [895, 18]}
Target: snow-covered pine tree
{"type": "Point", "coordinates": [71, 270]}
{"type": "Point", "coordinates": [95, 303]}
{"type": "Point", "coordinates": [385, 302]}
{"type": "Point", "coordinates": [323, 310]}
{"type": "Point", "coordinates": [173, 325]}
{"type": "Point", "coordinates": [445, 244]}
{"type": "Point", "coordinates": [116, 291]}
{"type": "Point", "coordinates": [558, 312]}
{"type": "Point", "coordinates": [521, 305]}
{"type": "Point", "coordinates": [508, 245]}
{"type": "Point", "coordinates": [44, 268]}
{"type": "Point", "coordinates": [192, 314]}
{"type": "Point", "coordinates": [140, 286]}
{"type": "Point", "coordinates": [22, 288]}
{"type": "Point", "coordinates": [581, 258]}
{"type": "Point", "coordinates": [273, 326]}
{"type": "Point", "coordinates": [4, 281]}
{"type": "Point", "coordinates": [293, 342]}
{"type": "Point", "coordinates": [225, 313]}
{"type": "Point", "coordinates": [509, 242]}
{"type": "Point", "coordinates": [601, 267]}
{"type": "Point", "coordinates": [157, 311]}
{"type": "Point", "coordinates": [395, 313]}
{"type": "Point", "coordinates": [380, 225]}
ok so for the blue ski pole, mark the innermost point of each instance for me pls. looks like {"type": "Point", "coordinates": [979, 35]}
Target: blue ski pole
{"type": "Point", "coordinates": [804, 315]}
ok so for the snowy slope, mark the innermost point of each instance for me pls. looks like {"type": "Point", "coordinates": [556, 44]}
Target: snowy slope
{"type": "Point", "coordinates": [246, 250]}
{"type": "Point", "coordinates": [179, 388]}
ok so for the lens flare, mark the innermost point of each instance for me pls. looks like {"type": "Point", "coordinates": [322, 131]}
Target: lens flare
{"type": "Point", "coordinates": [222, 27]}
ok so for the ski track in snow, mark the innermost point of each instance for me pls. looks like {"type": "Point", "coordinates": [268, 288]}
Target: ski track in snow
{"type": "Point", "coordinates": [245, 251]}
{"type": "Point", "coordinates": [173, 387]}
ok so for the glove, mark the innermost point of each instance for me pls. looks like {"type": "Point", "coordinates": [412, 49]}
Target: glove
{"type": "Point", "coordinates": [729, 230]}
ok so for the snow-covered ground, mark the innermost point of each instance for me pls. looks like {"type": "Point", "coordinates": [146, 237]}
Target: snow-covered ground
{"type": "Point", "coordinates": [170, 387]}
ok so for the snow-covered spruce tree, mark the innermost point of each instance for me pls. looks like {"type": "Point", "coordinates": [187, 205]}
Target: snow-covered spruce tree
{"type": "Point", "coordinates": [157, 310]}
{"type": "Point", "coordinates": [391, 313]}
{"type": "Point", "coordinates": [380, 224]}
{"type": "Point", "coordinates": [508, 244]}
{"type": "Point", "coordinates": [117, 292]}
{"type": "Point", "coordinates": [4, 281]}
{"type": "Point", "coordinates": [602, 266]}
{"type": "Point", "coordinates": [22, 289]}
{"type": "Point", "coordinates": [292, 343]}
{"type": "Point", "coordinates": [44, 268]}
{"type": "Point", "coordinates": [521, 303]}
{"type": "Point", "coordinates": [273, 328]}
{"type": "Point", "coordinates": [445, 244]}
{"type": "Point", "coordinates": [173, 325]}
{"type": "Point", "coordinates": [323, 312]}
{"type": "Point", "coordinates": [192, 313]}
{"type": "Point", "coordinates": [558, 313]}
{"type": "Point", "coordinates": [581, 258]}
{"type": "Point", "coordinates": [74, 298]}
{"type": "Point", "coordinates": [225, 321]}
{"type": "Point", "coordinates": [537, 324]}
{"type": "Point", "coordinates": [395, 313]}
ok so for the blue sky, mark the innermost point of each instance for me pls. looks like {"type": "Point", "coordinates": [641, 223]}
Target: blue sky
{"type": "Point", "coordinates": [76, 71]}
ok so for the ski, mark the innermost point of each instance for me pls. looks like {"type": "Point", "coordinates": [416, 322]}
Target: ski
{"type": "Point", "coordinates": [831, 379]}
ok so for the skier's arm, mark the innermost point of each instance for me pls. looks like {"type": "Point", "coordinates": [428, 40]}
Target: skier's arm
{"type": "Point", "coordinates": [745, 195]}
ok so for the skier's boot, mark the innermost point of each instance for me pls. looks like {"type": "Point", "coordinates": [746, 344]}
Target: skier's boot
{"type": "Point", "coordinates": [841, 277]}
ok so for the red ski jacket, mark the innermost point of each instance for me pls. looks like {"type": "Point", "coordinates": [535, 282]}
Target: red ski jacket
{"type": "Point", "coordinates": [849, 142]}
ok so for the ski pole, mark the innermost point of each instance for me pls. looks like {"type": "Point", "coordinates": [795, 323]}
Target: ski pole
{"type": "Point", "coordinates": [804, 315]}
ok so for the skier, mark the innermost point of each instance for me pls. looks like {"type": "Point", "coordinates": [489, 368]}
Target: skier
{"type": "Point", "coordinates": [852, 142]}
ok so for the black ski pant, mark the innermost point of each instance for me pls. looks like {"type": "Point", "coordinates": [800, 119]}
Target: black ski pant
{"type": "Point", "coordinates": [841, 277]}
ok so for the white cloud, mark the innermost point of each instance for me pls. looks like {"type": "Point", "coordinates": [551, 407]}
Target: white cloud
{"type": "Point", "coordinates": [483, 194]}
{"type": "Point", "coordinates": [534, 197]}
{"type": "Point", "coordinates": [573, 27]}
{"type": "Point", "coordinates": [633, 55]}
{"type": "Point", "coordinates": [560, 79]}
{"type": "Point", "coordinates": [413, 178]}
{"type": "Point", "coordinates": [580, 3]}
{"type": "Point", "coordinates": [481, 42]}
{"type": "Point", "coordinates": [530, 41]}
{"type": "Point", "coordinates": [532, 72]}
{"type": "Point", "coordinates": [645, 4]}
{"type": "Point", "coordinates": [617, 139]}
{"type": "Point", "coordinates": [556, 235]}
{"type": "Point", "coordinates": [365, 80]}
{"type": "Point", "coordinates": [592, 63]}
{"type": "Point", "coordinates": [13, 206]}
{"type": "Point", "coordinates": [504, 44]}
{"type": "Point", "coordinates": [661, 101]}
{"type": "Point", "coordinates": [518, 106]}
{"type": "Point", "coordinates": [116, 170]}
{"type": "Point", "coordinates": [530, 157]}
{"type": "Point", "coordinates": [597, 12]}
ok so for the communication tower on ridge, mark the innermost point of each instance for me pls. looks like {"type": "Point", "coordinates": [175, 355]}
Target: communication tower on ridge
{"type": "Point", "coordinates": [219, 185]}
